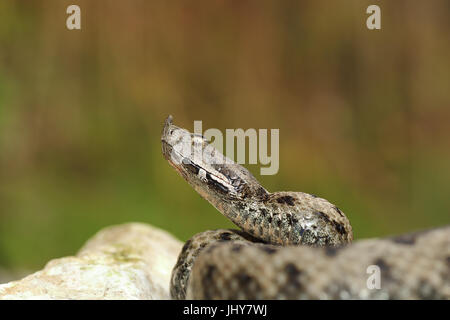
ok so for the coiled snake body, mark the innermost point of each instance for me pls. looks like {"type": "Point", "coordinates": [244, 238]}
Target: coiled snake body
{"type": "Point", "coordinates": [292, 245]}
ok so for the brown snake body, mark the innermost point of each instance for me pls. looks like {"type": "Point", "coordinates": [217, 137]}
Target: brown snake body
{"type": "Point", "coordinates": [292, 245]}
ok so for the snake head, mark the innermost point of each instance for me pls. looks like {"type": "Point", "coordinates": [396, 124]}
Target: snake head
{"type": "Point", "coordinates": [197, 161]}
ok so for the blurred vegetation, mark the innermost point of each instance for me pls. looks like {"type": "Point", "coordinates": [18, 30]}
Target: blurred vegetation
{"type": "Point", "coordinates": [363, 115]}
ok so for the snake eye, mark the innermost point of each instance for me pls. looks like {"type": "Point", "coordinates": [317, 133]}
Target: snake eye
{"type": "Point", "coordinates": [171, 131]}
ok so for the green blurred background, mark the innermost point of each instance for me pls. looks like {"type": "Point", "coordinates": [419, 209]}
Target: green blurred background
{"type": "Point", "coordinates": [363, 115]}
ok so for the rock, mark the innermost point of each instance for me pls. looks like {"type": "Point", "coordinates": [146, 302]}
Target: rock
{"type": "Point", "coordinates": [129, 261]}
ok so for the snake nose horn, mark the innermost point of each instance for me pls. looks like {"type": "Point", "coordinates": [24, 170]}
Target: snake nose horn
{"type": "Point", "coordinates": [169, 120]}
{"type": "Point", "coordinates": [167, 125]}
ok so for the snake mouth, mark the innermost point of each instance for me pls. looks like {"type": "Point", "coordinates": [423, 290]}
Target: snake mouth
{"type": "Point", "coordinates": [166, 149]}
{"type": "Point", "coordinates": [167, 153]}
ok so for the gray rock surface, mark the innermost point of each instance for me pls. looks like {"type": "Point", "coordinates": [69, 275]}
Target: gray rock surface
{"type": "Point", "coordinates": [129, 261]}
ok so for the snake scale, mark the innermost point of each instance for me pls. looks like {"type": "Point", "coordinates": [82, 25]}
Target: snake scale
{"type": "Point", "coordinates": [291, 245]}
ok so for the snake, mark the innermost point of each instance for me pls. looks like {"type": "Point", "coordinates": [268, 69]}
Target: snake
{"type": "Point", "coordinates": [291, 245]}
